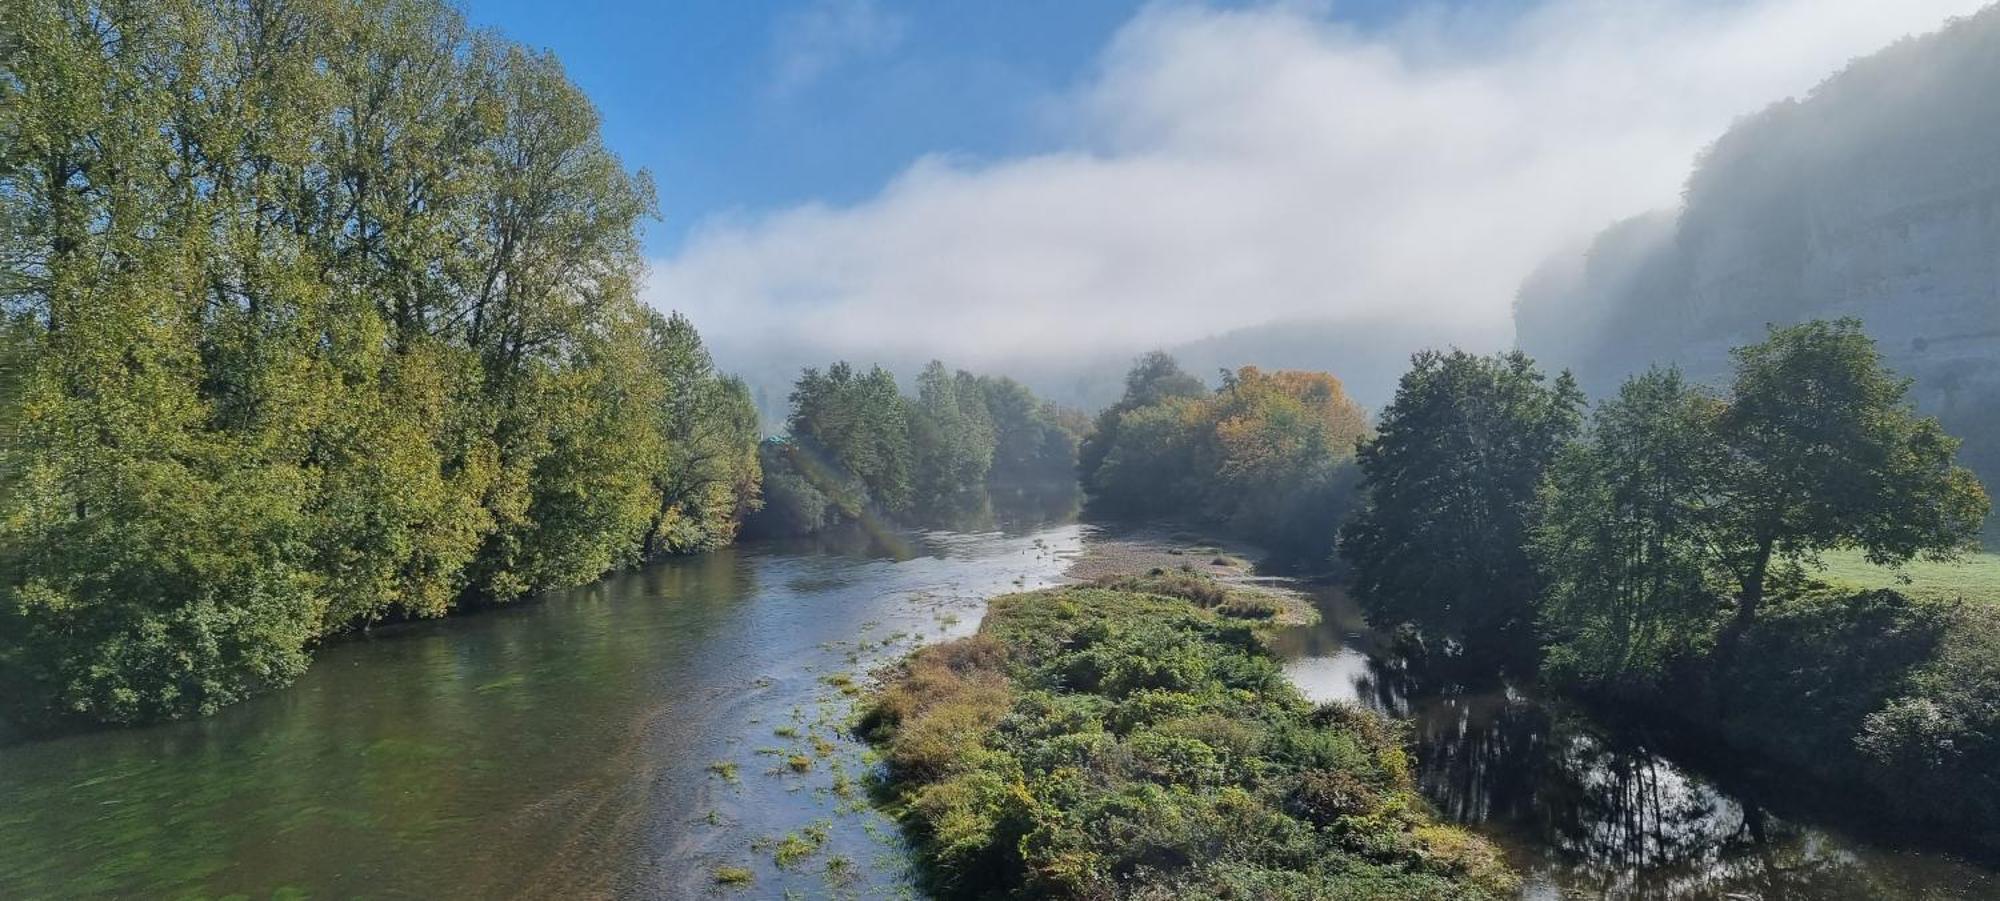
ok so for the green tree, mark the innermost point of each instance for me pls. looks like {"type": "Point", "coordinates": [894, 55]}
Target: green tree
{"type": "Point", "coordinates": [1620, 535]}
{"type": "Point", "coordinates": [1033, 444]}
{"type": "Point", "coordinates": [845, 424]}
{"type": "Point", "coordinates": [1825, 451]}
{"type": "Point", "coordinates": [708, 477]}
{"type": "Point", "coordinates": [1450, 479]}
{"type": "Point", "coordinates": [1153, 379]}
{"type": "Point", "coordinates": [315, 313]}
{"type": "Point", "coordinates": [951, 439]}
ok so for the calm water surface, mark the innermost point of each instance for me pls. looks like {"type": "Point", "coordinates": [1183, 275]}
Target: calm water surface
{"type": "Point", "coordinates": [626, 739]}
{"type": "Point", "coordinates": [554, 749]}
{"type": "Point", "coordinates": [1584, 815]}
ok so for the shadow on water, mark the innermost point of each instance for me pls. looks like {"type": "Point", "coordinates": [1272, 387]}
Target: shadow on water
{"type": "Point", "coordinates": [1586, 813]}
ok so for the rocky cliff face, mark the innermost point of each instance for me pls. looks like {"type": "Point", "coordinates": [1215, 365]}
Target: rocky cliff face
{"type": "Point", "coordinates": [1876, 197]}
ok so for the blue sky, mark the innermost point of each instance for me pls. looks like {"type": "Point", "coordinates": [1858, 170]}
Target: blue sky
{"type": "Point", "coordinates": [994, 180]}
{"type": "Point", "coordinates": [746, 105]}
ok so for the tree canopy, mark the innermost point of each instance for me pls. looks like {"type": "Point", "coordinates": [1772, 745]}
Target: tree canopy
{"type": "Point", "coordinates": [1681, 500]}
{"type": "Point", "coordinates": [856, 446]}
{"type": "Point", "coordinates": [316, 313]}
{"type": "Point", "coordinates": [1268, 455]}
{"type": "Point", "coordinates": [1450, 479]}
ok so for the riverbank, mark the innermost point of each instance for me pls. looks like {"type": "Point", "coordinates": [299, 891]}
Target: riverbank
{"type": "Point", "coordinates": [1595, 803]}
{"type": "Point", "coordinates": [1888, 696]}
{"type": "Point", "coordinates": [1114, 551]}
{"type": "Point", "coordinates": [1090, 739]}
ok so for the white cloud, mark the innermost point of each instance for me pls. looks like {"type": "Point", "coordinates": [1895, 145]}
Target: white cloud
{"type": "Point", "coordinates": [812, 41]}
{"type": "Point", "coordinates": [1233, 167]}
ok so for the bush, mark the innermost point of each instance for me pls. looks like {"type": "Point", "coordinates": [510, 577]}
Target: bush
{"type": "Point", "coordinates": [1100, 742]}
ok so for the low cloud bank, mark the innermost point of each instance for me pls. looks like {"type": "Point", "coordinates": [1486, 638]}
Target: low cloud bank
{"type": "Point", "coordinates": [1226, 168]}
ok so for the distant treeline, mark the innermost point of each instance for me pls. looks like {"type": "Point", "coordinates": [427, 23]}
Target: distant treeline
{"type": "Point", "coordinates": [856, 446]}
{"type": "Point", "coordinates": [1269, 456]}
{"type": "Point", "coordinates": [315, 314]}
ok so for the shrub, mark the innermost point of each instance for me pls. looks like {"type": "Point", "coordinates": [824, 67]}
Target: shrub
{"type": "Point", "coordinates": [1099, 742]}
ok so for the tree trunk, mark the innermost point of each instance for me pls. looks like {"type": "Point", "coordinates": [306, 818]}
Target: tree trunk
{"type": "Point", "coordinates": [1753, 585]}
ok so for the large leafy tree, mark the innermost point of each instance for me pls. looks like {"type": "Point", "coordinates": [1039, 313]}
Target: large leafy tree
{"type": "Point", "coordinates": [1450, 479]}
{"type": "Point", "coordinates": [951, 438]}
{"type": "Point", "coordinates": [855, 425]}
{"type": "Point", "coordinates": [1154, 379]}
{"type": "Point", "coordinates": [1825, 451]}
{"type": "Point", "coordinates": [1621, 534]}
{"type": "Point", "coordinates": [709, 474]}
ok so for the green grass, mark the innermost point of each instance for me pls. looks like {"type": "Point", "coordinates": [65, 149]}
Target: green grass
{"type": "Point", "coordinates": [1977, 578]}
{"type": "Point", "coordinates": [1099, 741]}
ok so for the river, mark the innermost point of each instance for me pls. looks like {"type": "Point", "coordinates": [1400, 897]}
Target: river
{"type": "Point", "coordinates": [633, 738]}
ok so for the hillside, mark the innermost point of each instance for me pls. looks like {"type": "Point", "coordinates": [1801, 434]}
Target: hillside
{"type": "Point", "coordinates": [1876, 196]}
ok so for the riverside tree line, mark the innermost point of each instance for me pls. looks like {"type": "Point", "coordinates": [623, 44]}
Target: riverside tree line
{"type": "Point", "coordinates": [855, 447]}
{"type": "Point", "coordinates": [323, 313]}
{"type": "Point", "coordinates": [316, 313]}
{"type": "Point", "coordinates": [1659, 553]}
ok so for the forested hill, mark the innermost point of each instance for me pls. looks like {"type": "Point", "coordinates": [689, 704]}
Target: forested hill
{"type": "Point", "coordinates": [1876, 196]}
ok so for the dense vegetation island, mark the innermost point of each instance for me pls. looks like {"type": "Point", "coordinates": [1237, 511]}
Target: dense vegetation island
{"type": "Point", "coordinates": [1128, 740]}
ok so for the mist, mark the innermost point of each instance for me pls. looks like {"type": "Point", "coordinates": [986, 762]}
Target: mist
{"type": "Point", "coordinates": [1224, 169]}
{"type": "Point", "coordinates": [1871, 197]}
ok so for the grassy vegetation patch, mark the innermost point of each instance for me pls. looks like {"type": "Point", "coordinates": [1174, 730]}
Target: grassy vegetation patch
{"type": "Point", "coordinates": [1105, 741]}
{"type": "Point", "coordinates": [1977, 578]}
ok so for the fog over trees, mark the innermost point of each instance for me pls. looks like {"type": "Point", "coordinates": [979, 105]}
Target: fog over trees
{"type": "Point", "coordinates": [1872, 197]}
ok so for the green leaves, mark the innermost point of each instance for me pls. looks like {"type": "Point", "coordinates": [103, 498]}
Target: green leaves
{"type": "Point", "coordinates": [1450, 479]}
{"type": "Point", "coordinates": [1825, 451]}
{"type": "Point", "coordinates": [316, 314]}
{"type": "Point", "coordinates": [855, 446]}
{"type": "Point", "coordinates": [1269, 455]}
{"type": "Point", "coordinates": [1622, 536]}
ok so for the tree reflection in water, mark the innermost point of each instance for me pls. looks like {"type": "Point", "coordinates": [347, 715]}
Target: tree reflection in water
{"type": "Point", "coordinates": [1585, 814]}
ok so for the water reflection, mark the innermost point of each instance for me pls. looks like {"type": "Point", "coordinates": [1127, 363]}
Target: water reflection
{"type": "Point", "coordinates": [559, 748]}
{"type": "Point", "coordinates": [1586, 815]}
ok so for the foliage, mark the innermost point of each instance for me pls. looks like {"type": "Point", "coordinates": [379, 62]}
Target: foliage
{"type": "Point", "coordinates": [1679, 499]}
{"type": "Point", "coordinates": [1154, 379]}
{"type": "Point", "coordinates": [1099, 743]}
{"type": "Point", "coordinates": [1619, 536]}
{"type": "Point", "coordinates": [709, 479]}
{"type": "Point", "coordinates": [1268, 455]}
{"type": "Point", "coordinates": [1872, 687]}
{"type": "Point", "coordinates": [1826, 452]}
{"type": "Point", "coordinates": [314, 314]}
{"type": "Point", "coordinates": [952, 438]}
{"type": "Point", "coordinates": [860, 424]}
{"type": "Point", "coordinates": [1450, 480]}
{"type": "Point", "coordinates": [856, 446]}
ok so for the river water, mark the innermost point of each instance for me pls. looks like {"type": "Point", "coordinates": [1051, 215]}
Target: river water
{"type": "Point", "coordinates": [632, 738]}
{"type": "Point", "coordinates": [1584, 813]}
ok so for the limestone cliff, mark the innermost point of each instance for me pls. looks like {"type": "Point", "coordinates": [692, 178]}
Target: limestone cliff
{"type": "Point", "coordinates": [1877, 196]}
